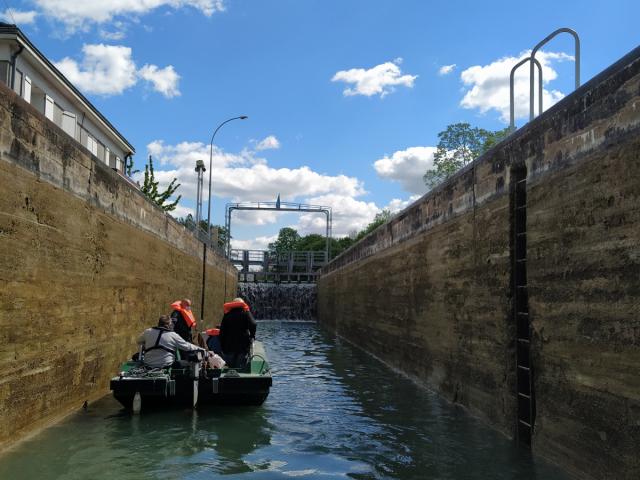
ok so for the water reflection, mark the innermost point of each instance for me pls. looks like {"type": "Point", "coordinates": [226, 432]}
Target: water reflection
{"type": "Point", "coordinates": [333, 412]}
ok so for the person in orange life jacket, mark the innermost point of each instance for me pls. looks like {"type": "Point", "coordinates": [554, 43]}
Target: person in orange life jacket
{"type": "Point", "coordinates": [183, 319]}
{"type": "Point", "coordinates": [160, 344]}
{"type": "Point", "coordinates": [237, 331]}
{"type": "Point", "coordinates": [213, 340]}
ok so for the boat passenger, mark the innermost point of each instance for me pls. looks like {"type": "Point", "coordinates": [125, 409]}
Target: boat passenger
{"type": "Point", "coordinates": [237, 331]}
{"type": "Point", "coordinates": [183, 319]}
{"type": "Point", "coordinates": [213, 340]}
{"type": "Point", "coordinates": [160, 344]}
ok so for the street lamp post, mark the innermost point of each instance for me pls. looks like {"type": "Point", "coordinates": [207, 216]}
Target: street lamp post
{"type": "Point", "coordinates": [200, 170]}
{"type": "Point", "coordinates": [204, 255]}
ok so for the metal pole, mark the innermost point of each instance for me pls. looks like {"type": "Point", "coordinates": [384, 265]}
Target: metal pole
{"type": "Point", "coordinates": [539, 46]}
{"type": "Point", "coordinates": [204, 257]}
{"type": "Point", "coordinates": [200, 169]}
{"type": "Point", "coordinates": [328, 247]}
{"type": "Point", "coordinates": [512, 108]}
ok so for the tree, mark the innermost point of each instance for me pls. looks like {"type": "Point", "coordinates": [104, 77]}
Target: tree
{"type": "Point", "coordinates": [459, 145]}
{"type": "Point", "coordinates": [494, 138]}
{"type": "Point", "coordinates": [287, 240]}
{"type": "Point", "coordinates": [190, 223]}
{"type": "Point", "coordinates": [379, 219]}
{"type": "Point", "coordinates": [150, 189]}
{"type": "Point", "coordinates": [128, 166]}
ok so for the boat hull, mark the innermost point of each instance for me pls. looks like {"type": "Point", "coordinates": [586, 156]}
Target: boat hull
{"type": "Point", "coordinates": [248, 386]}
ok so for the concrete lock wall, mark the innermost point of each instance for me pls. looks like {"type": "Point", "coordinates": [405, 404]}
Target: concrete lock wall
{"type": "Point", "coordinates": [431, 291]}
{"type": "Point", "coordinates": [86, 263]}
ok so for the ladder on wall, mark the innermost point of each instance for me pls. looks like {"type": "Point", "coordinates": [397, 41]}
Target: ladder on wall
{"type": "Point", "coordinates": [524, 377]}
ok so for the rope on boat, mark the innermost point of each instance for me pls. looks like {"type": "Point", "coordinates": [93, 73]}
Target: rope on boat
{"type": "Point", "coordinates": [146, 372]}
{"type": "Point", "coordinates": [263, 362]}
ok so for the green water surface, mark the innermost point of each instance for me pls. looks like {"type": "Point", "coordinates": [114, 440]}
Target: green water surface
{"type": "Point", "coordinates": [333, 412]}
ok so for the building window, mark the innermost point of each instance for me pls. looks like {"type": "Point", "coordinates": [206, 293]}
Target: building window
{"type": "Point", "coordinates": [57, 114]}
{"type": "Point", "coordinates": [101, 153]}
{"type": "Point", "coordinates": [112, 160]}
{"type": "Point", "coordinates": [69, 123]}
{"type": "Point", "coordinates": [4, 72]}
{"type": "Point", "coordinates": [17, 82]}
{"type": "Point", "coordinates": [48, 107]}
{"type": "Point", "coordinates": [26, 94]}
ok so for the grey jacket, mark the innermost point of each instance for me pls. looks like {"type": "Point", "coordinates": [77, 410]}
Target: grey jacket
{"type": "Point", "coordinates": [169, 343]}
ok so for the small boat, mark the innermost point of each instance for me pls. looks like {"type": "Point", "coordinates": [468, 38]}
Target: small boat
{"type": "Point", "coordinates": [191, 384]}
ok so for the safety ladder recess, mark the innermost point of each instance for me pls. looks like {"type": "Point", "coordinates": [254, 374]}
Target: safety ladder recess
{"type": "Point", "coordinates": [524, 380]}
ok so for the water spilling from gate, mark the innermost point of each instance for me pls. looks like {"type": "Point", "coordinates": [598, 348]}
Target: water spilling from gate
{"type": "Point", "coordinates": [285, 301]}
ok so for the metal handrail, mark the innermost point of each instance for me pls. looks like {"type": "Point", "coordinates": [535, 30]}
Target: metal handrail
{"type": "Point", "coordinates": [278, 206]}
{"type": "Point", "coordinates": [533, 56]}
{"type": "Point", "coordinates": [512, 108]}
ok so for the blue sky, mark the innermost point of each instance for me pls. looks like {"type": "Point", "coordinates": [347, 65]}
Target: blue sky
{"type": "Point", "coordinates": [345, 97]}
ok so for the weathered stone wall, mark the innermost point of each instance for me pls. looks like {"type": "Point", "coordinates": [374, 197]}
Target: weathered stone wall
{"type": "Point", "coordinates": [86, 262]}
{"type": "Point", "coordinates": [430, 292]}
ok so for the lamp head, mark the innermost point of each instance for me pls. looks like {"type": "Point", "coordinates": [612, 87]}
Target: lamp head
{"type": "Point", "coordinates": [243, 117]}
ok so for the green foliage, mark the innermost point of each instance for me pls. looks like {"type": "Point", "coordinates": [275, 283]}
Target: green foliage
{"type": "Point", "coordinates": [459, 145]}
{"type": "Point", "coordinates": [494, 138]}
{"type": "Point", "coordinates": [150, 189]}
{"type": "Point", "coordinates": [128, 166]}
{"type": "Point", "coordinates": [378, 220]}
{"type": "Point", "coordinates": [290, 240]}
{"type": "Point", "coordinates": [287, 240]}
{"type": "Point", "coordinates": [190, 223]}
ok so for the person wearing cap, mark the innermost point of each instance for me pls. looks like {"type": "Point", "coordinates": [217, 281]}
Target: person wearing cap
{"type": "Point", "coordinates": [160, 344]}
{"type": "Point", "coordinates": [237, 331]}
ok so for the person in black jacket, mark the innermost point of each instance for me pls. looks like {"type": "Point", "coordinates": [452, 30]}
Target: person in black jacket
{"type": "Point", "coordinates": [237, 332]}
{"type": "Point", "coordinates": [183, 319]}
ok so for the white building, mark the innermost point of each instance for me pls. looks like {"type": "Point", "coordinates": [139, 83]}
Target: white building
{"type": "Point", "coordinates": [28, 72]}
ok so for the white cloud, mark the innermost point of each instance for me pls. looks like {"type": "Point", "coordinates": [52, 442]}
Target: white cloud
{"type": "Point", "coordinates": [110, 70]}
{"type": "Point", "coordinates": [487, 86]}
{"type": "Point", "coordinates": [379, 80]}
{"type": "Point", "coordinates": [349, 215]}
{"type": "Point", "coordinates": [181, 211]}
{"type": "Point", "coordinates": [78, 15]}
{"type": "Point", "coordinates": [18, 17]}
{"type": "Point", "coordinates": [446, 69]}
{"type": "Point", "coordinates": [246, 177]}
{"type": "Point", "coordinates": [164, 80]}
{"type": "Point", "coordinates": [407, 167]}
{"type": "Point", "coordinates": [258, 243]}
{"type": "Point", "coordinates": [243, 176]}
{"type": "Point", "coordinates": [397, 204]}
{"type": "Point", "coordinates": [104, 69]}
{"type": "Point", "coordinates": [268, 143]}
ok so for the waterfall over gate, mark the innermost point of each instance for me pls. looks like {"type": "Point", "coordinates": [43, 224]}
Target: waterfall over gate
{"type": "Point", "coordinates": [283, 301]}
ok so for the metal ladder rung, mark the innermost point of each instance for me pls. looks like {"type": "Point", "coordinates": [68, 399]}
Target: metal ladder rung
{"type": "Point", "coordinates": [524, 340]}
{"type": "Point", "coordinates": [524, 423]}
{"type": "Point", "coordinates": [521, 367]}
{"type": "Point", "coordinates": [521, 207]}
{"type": "Point", "coordinates": [524, 396]}
{"type": "Point", "coordinates": [523, 313]}
{"type": "Point", "coordinates": [519, 234]}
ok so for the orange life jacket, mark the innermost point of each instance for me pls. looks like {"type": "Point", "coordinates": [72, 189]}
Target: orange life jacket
{"type": "Point", "coordinates": [212, 332]}
{"type": "Point", "coordinates": [188, 316]}
{"type": "Point", "coordinates": [231, 305]}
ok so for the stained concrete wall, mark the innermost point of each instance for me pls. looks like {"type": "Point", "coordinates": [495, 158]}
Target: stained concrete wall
{"type": "Point", "coordinates": [430, 291]}
{"type": "Point", "coordinates": [86, 262]}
